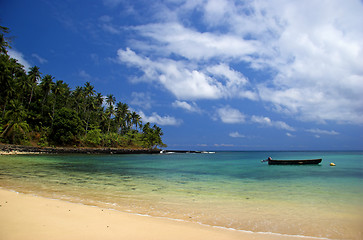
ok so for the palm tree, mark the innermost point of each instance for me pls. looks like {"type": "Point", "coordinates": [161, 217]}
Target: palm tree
{"type": "Point", "coordinates": [122, 110]}
{"type": "Point", "coordinates": [46, 85]}
{"type": "Point", "coordinates": [110, 100]}
{"type": "Point", "coordinates": [88, 92]}
{"type": "Point", "coordinates": [34, 76]}
{"type": "Point", "coordinates": [7, 91]}
{"type": "Point", "coordinates": [89, 101]}
{"type": "Point", "coordinates": [3, 43]}
{"type": "Point", "coordinates": [16, 128]}
{"type": "Point", "coordinates": [77, 96]}
{"type": "Point", "coordinates": [58, 89]}
{"type": "Point", "coordinates": [136, 120]}
{"type": "Point", "coordinates": [157, 133]}
{"type": "Point", "coordinates": [109, 112]}
{"type": "Point", "coordinates": [128, 121]}
{"type": "Point", "coordinates": [99, 99]}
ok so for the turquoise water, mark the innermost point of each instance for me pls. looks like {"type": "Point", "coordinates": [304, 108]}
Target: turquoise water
{"type": "Point", "coordinates": [227, 189]}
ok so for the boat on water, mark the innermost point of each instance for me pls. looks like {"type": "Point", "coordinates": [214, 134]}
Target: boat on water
{"type": "Point", "coordinates": [292, 162]}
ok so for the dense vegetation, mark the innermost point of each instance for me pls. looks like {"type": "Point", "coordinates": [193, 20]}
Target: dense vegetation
{"type": "Point", "coordinates": [38, 110]}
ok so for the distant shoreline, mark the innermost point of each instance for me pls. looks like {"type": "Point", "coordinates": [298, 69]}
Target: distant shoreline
{"type": "Point", "coordinates": [8, 149]}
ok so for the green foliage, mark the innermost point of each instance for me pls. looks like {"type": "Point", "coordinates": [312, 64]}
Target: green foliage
{"type": "Point", "coordinates": [112, 140]}
{"type": "Point", "coordinates": [152, 136]}
{"type": "Point", "coordinates": [40, 110]}
{"type": "Point", "coordinates": [16, 133]}
{"type": "Point", "coordinates": [16, 130]}
{"type": "Point", "coordinates": [66, 127]}
{"type": "Point", "coordinates": [93, 138]}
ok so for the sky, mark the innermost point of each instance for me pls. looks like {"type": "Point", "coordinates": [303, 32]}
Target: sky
{"type": "Point", "coordinates": [213, 74]}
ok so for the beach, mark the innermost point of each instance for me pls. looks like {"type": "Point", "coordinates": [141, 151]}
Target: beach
{"type": "Point", "coordinates": [228, 195]}
{"type": "Point", "coordinates": [25, 216]}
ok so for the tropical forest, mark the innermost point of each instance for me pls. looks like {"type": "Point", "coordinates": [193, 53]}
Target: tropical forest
{"type": "Point", "coordinates": [39, 110]}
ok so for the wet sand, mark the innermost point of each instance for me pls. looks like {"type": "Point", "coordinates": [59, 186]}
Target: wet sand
{"type": "Point", "coordinates": [25, 216]}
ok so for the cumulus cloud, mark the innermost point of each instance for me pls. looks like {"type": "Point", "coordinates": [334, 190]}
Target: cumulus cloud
{"type": "Point", "coordinates": [177, 77]}
{"type": "Point", "coordinates": [318, 61]}
{"type": "Point", "coordinates": [195, 45]}
{"type": "Point", "coordinates": [185, 80]}
{"type": "Point", "coordinates": [186, 106]}
{"type": "Point", "coordinates": [230, 115]}
{"type": "Point", "coordinates": [160, 120]}
{"type": "Point", "coordinates": [268, 122]}
{"type": "Point", "coordinates": [312, 50]}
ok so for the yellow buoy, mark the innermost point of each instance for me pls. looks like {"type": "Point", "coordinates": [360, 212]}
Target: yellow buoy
{"type": "Point", "coordinates": [332, 164]}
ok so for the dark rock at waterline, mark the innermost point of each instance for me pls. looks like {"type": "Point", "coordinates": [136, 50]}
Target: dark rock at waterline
{"type": "Point", "coordinates": [70, 150]}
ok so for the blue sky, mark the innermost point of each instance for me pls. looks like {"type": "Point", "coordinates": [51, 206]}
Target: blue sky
{"type": "Point", "coordinates": [214, 74]}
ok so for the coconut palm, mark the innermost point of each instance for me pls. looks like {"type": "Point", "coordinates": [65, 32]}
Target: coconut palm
{"type": "Point", "coordinates": [33, 76]}
{"type": "Point", "coordinates": [46, 85]}
{"type": "Point", "coordinates": [16, 129]}
{"type": "Point", "coordinates": [136, 120]}
{"type": "Point", "coordinates": [58, 89]}
{"type": "Point", "coordinates": [3, 43]}
{"type": "Point", "coordinates": [122, 110]}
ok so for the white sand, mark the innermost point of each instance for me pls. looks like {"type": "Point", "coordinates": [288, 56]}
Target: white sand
{"type": "Point", "coordinates": [24, 216]}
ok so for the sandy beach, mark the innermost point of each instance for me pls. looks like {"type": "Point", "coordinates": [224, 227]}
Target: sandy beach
{"type": "Point", "coordinates": [25, 216]}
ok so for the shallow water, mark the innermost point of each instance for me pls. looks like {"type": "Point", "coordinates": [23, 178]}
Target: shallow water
{"type": "Point", "coordinates": [227, 189]}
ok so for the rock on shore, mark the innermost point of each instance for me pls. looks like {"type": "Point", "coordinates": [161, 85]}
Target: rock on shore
{"type": "Point", "coordinates": [6, 149]}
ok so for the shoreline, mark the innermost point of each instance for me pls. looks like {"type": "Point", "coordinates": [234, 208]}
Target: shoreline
{"type": "Point", "coordinates": [26, 216]}
{"type": "Point", "coordinates": [8, 149]}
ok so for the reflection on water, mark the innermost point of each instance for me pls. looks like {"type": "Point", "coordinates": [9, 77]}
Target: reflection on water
{"type": "Point", "coordinates": [228, 189]}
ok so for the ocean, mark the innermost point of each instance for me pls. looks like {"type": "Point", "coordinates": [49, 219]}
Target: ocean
{"type": "Point", "coordinates": [231, 190]}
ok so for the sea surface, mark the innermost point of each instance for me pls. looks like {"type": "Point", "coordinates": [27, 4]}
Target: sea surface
{"type": "Point", "coordinates": [226, 189]}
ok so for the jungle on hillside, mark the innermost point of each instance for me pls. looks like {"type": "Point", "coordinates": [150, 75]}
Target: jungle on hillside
{"type": "Point", "coordinates": [38, 110]}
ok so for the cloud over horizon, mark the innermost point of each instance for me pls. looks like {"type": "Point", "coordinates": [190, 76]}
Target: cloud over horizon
{"type": "Point", "coordinates": [313, 52]}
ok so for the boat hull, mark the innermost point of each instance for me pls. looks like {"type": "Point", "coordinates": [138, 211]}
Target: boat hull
{"type": "Point", "coordinates": [294, 162]}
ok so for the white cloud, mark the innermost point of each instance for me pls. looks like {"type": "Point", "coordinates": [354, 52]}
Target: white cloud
{"type": "Point", "coordinates": [186, 81]}
{"type": "Point", "coordinates": [320, 131]}
{"type": "Point", "coordinates": [230, 115]}
{"type": "Point", "coordinates": [39, 58]}
{"type": "Point", "coordinates": [20, 57]}
{"type": "Point", "coordinates": [160, 120]}
{"type": "Point", "coordinates": [178, 77]}
{"type": "Point", "coordinates": [318, 61]}
{"type": "Point", "coordinates": [194, 45]}
{"type": "Point", "coordinates": [268, 122]}
{"type": "Point", "coordinates": [236, 135]}
{"type": "Point", "coordinates": [236, 85]}
{"type": "Point", "coordinates": [186, 106]}
{"type": "Point", "coordinates": [312, 49]}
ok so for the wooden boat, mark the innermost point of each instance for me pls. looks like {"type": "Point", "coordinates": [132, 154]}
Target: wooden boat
{"type": "Point", "coordinates": [293, 162]}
